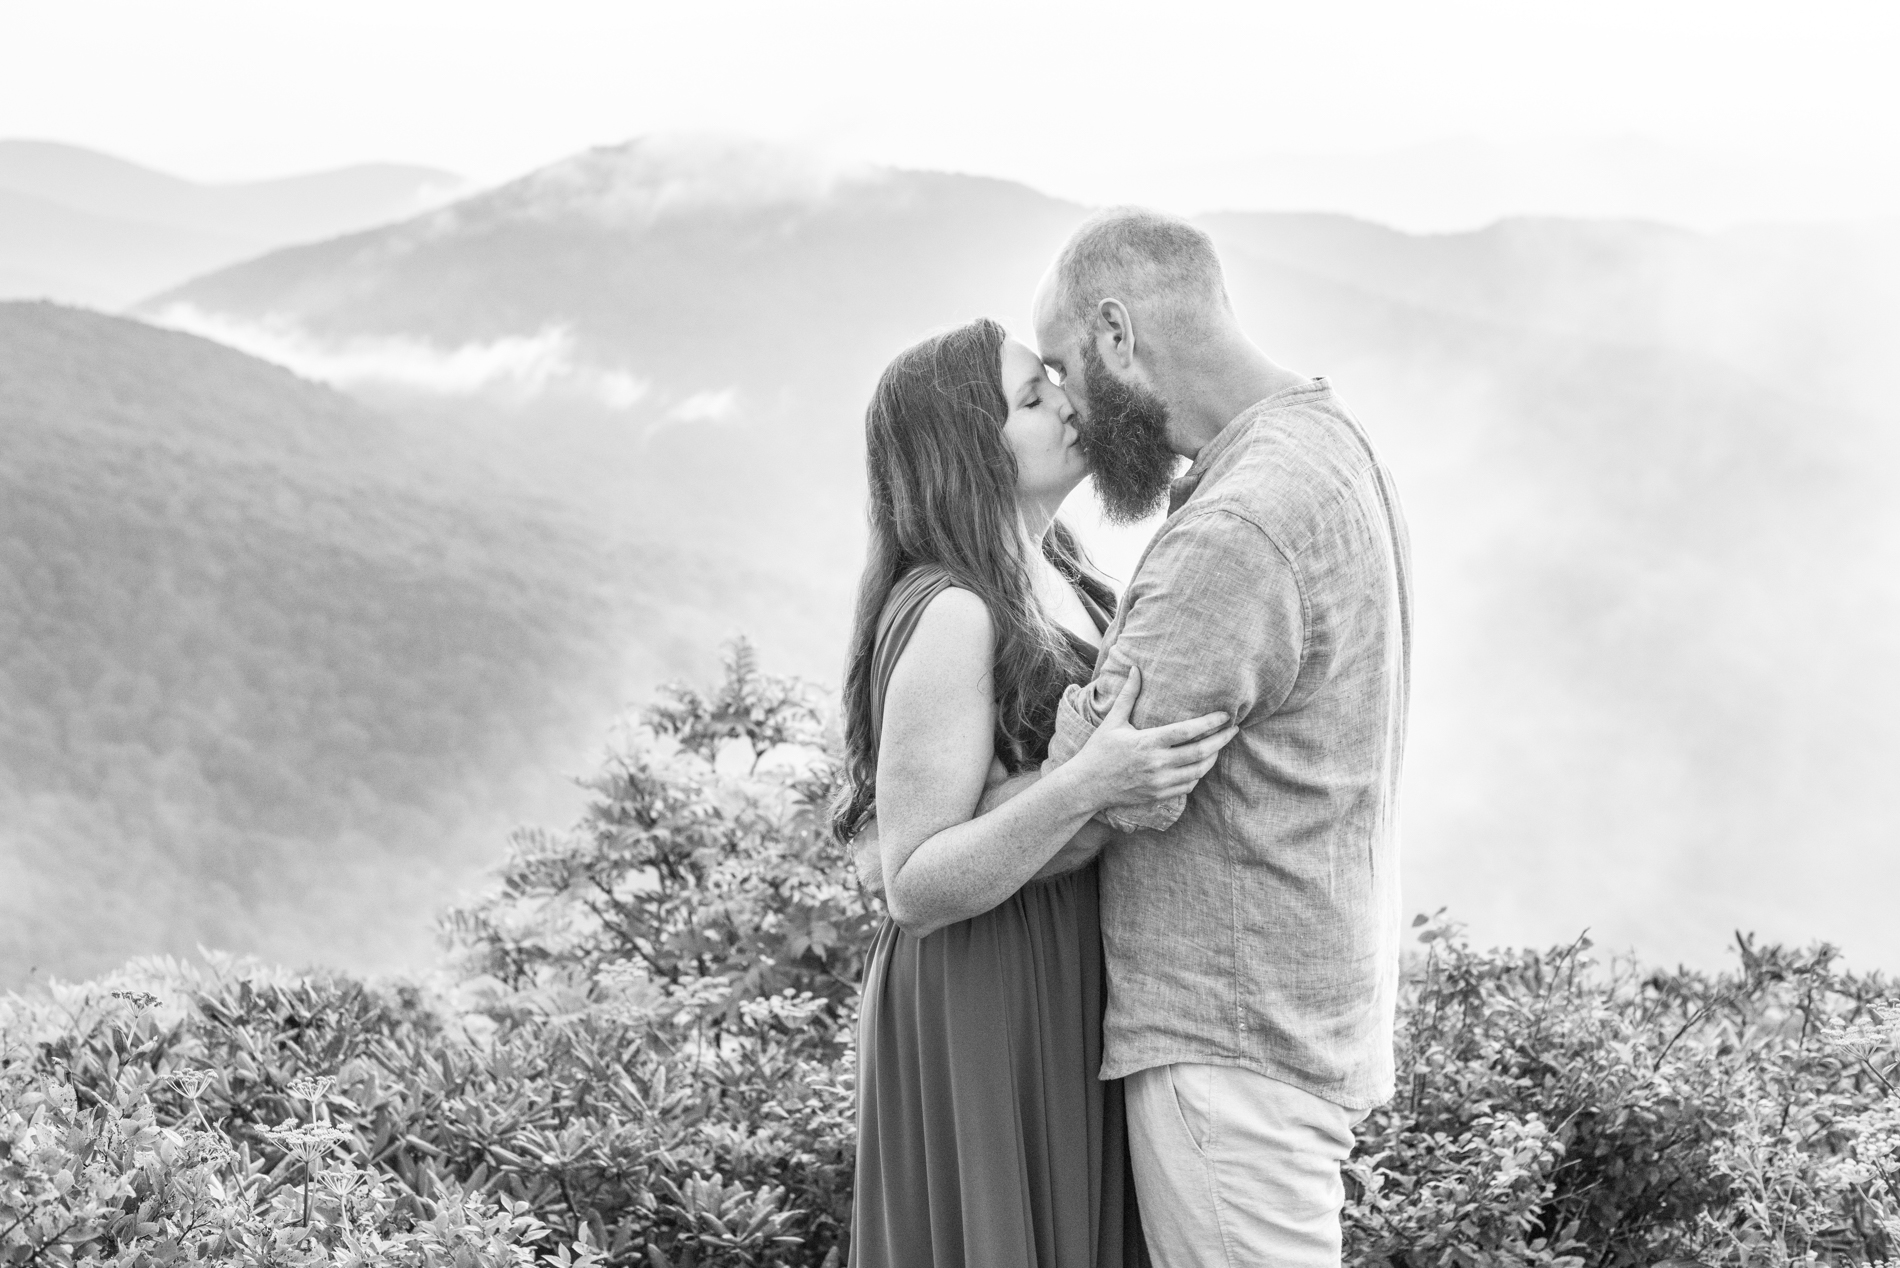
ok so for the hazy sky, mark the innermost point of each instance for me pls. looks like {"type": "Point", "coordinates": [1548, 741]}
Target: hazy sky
{"type": "Point", "coordinates": [1178, 101]}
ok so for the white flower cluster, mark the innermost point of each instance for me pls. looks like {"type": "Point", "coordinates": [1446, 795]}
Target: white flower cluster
{"type": "Point", "coordinates": [312, 1088]}
{"type": "Point", "coordinates": [1872, 1038]}
{"type": "Point", "coordinates": [193, 1082]}
{"type": "Point", "coordinates": [309, 1141]}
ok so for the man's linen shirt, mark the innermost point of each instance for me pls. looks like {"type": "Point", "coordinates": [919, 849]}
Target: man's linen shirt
{"type": "Point", "coordinates": [1255, 922]}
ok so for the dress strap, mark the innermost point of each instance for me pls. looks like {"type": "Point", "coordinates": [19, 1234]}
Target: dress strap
{"type": "Point", "coordinates": [902, 610]}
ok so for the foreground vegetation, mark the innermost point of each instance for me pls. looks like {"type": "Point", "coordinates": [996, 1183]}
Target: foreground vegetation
{"type": "Point", "coordinates": [639, 1052]}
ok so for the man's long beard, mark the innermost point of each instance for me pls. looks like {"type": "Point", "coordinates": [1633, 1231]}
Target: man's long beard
{"type": "Point", "coordinates": [1125, 439]}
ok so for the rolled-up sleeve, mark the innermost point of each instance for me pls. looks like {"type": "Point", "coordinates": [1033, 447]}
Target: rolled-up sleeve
{"type": "Point", "coordinates": [1216, 621]}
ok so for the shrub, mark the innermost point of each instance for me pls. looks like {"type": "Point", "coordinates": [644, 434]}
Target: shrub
{"type": "Point", "coordinates": [640, 1053]}
{"type": "Point", "coordinates": [1552, 1110]}
{"type": "Point", "coordinates": [700, 869]}
{"type": "Point", "coordinates": [99, 1164]}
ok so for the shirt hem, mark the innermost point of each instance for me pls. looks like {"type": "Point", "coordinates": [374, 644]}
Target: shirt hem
{"type": "Point", "coordinates": [1347, 1096]}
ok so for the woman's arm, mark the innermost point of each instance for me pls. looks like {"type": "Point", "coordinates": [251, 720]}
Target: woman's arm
{"type": "Point", "coordinates": [999, 786]}
{"type": "Point", "coordinates": [940, 864]}
{"type": "Point", "coordinates": [1077, 851]}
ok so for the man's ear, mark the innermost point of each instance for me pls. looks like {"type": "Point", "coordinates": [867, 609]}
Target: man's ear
{"type": "Point", "coordinates": [1115, 337]}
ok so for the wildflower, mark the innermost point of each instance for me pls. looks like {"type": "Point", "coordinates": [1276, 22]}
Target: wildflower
{"type": "Point", "coordinates": [1865, 1037]}
{"type": "Point", "coordinates": [632, 997]}
{"type": "Point", "coordinates": [193, 1082]}
{"type": "Point", "coordinates": [341, 1181]}
{"type": "Point", "coordinates": [620, 975]}
{"type": "Point", "coordinates": [312, 1089]}
{"type": "Point", "coordinates": [140, 1000]}
{"type": "Point", "coordinates": [309, 1141]}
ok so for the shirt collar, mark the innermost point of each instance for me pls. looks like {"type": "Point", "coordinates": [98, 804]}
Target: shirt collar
{"type": "Point", "coordinates": [1183, 487]}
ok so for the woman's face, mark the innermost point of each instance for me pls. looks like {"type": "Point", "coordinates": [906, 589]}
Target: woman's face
{"type": "Point", "coordinates": [1040, 430]}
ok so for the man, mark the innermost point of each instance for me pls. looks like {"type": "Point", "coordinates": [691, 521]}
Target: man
{"type": "Point", "coordinates": [1251, 928]}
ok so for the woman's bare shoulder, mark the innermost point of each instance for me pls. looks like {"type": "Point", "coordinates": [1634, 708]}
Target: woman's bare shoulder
{"type": "Point", "coordinates": [953, 629]}
{"type": "Point", "coordinates": [954, 620]}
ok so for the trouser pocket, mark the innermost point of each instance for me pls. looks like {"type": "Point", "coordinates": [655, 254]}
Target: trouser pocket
{"type": "Point", "coordinates": [1192, 1090]}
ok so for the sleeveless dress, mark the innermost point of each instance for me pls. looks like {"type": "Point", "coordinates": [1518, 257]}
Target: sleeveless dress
{"type": "Point", "coordinates": [985, 1139]}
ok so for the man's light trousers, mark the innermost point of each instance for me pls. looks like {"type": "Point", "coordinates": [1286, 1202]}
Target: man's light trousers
{"type": "Point", "coordinates": [1236, 1170]}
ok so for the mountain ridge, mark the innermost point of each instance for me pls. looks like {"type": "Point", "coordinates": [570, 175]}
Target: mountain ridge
{"type": "Point", "coordinates": [1655, 563]}
{"type": "Point", "coordinates": [82, 226]}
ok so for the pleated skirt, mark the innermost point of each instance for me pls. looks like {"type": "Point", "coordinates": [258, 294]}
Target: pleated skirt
{"type": "Point", "coordinates": [984, 1138]}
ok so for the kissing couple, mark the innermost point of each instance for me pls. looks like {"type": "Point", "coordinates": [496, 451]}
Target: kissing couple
{"type": "Point", "coordinates": [1139, 853]}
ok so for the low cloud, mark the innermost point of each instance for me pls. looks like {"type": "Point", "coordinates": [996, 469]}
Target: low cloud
{"type": "Point", "coordinates": [523, 367]}
{"type": "Point", "coordinates": [674, 177]}
{"type": "Point", "coordinates": [708, 406]}
{"type": "Point", "coordinates": [705, 407]}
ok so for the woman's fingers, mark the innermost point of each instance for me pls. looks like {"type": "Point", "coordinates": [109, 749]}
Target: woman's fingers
{"type": "Point", "coordinates": [1199, 752]}
{"type": "Point", "coordinates": [1184, 766]}
{"type": "Point", "coordinates": [1210, 747]}
{"type": "Point", "coordinates": [1175, 770]}
{"type": "Point", "coordinates": [1180, 787]}
{"type": "Point", "coordinates": [1197, 772]}
{"type": "Point", "coordinates": [1183, 732]}
{"type": "Point", "coordinates": [1124, 705]}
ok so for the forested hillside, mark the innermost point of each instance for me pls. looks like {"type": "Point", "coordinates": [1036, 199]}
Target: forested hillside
{"type": "Point", "coordinates": [273, 675]}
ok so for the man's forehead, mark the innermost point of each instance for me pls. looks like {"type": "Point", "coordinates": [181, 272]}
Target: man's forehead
{"type": "Point", "coordinates": [1045, 294]}
{"type": "Point", "coordinates": [1046, 307]}
{"type": "Point", "coordinates": [1055, 342]}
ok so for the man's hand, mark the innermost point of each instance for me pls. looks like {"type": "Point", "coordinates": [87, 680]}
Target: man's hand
{"type": "Point", "coordinates": [868, 862]}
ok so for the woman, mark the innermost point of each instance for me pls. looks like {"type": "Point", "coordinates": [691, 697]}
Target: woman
{"type": "Point", "coordinates": [984, 1136]}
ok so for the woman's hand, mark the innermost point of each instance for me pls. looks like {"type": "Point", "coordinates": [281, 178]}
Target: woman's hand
{"type": "Point", "coordinates": [1122, 765]}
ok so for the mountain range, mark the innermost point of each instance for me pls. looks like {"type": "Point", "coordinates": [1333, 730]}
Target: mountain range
{"type": "Point", "coordinates": [1646, 471]}
{"type": "Point", "coordinates": [277, 673]}
{"type": "Point", "coordinates": [85, 227]}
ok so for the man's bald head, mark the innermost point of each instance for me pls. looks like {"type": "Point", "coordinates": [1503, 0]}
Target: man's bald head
{"type": "Point", "coordinates": [1161, 267]}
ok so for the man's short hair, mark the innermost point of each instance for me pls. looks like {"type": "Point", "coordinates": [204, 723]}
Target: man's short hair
{"type": "Point", "coordinates": [1143, 258]}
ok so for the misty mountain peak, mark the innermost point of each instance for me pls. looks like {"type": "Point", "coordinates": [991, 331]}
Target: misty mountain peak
{"type": "Point", "coordinates": [644, 181]}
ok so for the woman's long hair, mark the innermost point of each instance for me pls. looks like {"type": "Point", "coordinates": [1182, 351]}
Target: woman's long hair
{"type": "Point", "coordinates": [943, 491]}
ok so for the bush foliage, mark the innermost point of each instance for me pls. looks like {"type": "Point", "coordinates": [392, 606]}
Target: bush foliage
{"type": "Point", "coordinates": [639, 1052]}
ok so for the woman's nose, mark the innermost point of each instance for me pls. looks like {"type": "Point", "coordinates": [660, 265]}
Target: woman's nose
{"type": "Point", "coordinates": [1066, 411]}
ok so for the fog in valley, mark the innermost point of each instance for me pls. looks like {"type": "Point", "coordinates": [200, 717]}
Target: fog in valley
{"type": "Point", "coordinates": [342, 517]}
